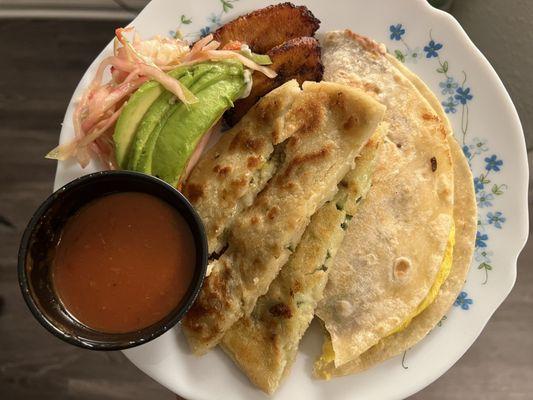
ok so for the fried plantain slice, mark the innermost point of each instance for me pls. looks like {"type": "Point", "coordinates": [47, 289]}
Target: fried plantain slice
{"type": "Point", "coordinates": [269, 27]}
{"type": "Point", "coordinates": [297, 58]}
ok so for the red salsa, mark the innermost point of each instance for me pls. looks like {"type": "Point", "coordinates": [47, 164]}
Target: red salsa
{"type": "Point", "coordinates": [123, 262]}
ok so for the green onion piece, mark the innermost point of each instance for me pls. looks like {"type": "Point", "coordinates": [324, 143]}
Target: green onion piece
{"type": "Point", "coordinates": [261, 59]}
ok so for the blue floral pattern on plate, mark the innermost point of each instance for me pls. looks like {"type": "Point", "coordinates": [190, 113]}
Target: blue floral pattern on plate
{"type": "Point", "coordinates": [457, 97]}
{"type": "Point", "coordinates": [463, 301]}
{"type": "Point", "coordinates": [432, 48]}
{"type": "Point", "coordinates": [213, 22]}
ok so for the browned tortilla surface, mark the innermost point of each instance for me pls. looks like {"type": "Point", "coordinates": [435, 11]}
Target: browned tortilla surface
{"type": "Point", "coordinates": [330, 124]}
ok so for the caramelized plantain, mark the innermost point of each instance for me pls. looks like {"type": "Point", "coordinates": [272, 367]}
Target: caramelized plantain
{"type": "Point", "coordinates": [269, 27]}
{"type": "Point", "coordinates": [295, 59]}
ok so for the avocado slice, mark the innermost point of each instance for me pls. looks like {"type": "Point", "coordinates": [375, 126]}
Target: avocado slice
{"type": "Point", "coordinates": [133, 113]}
{"type": "Point", "coordinates": [150, 120]}
{"type": "Point", "coordinates": [144, 161]}
{"type": "Point", "coordinates": [155, 118]}
{"type": "Point", "coordinates": [181, 131]}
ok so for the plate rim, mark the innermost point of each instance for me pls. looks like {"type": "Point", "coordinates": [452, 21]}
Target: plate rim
{"type": "Point", "coordinates": [447, 23]}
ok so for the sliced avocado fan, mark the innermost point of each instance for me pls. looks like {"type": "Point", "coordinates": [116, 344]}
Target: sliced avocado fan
{"type": "Point", "coordinates": [196, 78]}
{"type": "Point", "coordinates": [153, 117]}
{"type": "Point", "coordinates": [216, 91]}
{"type": "Point", "coordinates": [159, 133]}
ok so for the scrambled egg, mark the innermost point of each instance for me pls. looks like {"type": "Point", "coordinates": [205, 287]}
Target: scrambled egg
{"type": "Point", "coordinates": [443, 273]}
{"type": "Point", "coordinates": [327, 357]}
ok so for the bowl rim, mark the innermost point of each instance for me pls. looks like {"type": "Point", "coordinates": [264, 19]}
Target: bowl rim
{"type": "Point", "coordinates": [159, 328]}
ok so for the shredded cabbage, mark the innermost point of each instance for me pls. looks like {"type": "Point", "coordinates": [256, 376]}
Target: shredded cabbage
{"type": "Point", "coordinates": [134, 62]}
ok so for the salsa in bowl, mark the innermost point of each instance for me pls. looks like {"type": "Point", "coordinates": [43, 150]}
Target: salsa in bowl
{"type": "Point", "coordinates": [112, 260]}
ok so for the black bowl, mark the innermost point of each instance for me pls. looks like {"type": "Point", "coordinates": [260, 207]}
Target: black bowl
{"type": "Point", "coordinates": [42, 234]}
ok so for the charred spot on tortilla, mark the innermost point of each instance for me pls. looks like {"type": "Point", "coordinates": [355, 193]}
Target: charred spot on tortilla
{"type": "Point", "coordinates": [433, 164]}
{"type": "Point", "coordinates": [348, 124]}
{"type": "Point", "coordinates": [401, 268]}
{"type": "Point", "coordinates": [194, 191]}
{"type": "Point", "coordinates": [280, 310]}
{"type": "Point", "coordinates": [221, 172]}
{"type": "Point", "coordinates": [273, 212]}
{"type": "Point", "coordinates": [303, 160]}
{"type": "Point", "coordinates": [245, 141]}
{"type": "Point", "coordinates": [430, 117]}
{"type": "Point", "coordinates": [253, 162]}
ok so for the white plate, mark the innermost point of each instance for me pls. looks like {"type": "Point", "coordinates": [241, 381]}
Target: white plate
{"type": "Point", "coordinates": [489, 129]}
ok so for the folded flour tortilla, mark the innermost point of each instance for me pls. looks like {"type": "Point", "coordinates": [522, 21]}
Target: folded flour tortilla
{"type": "Point", "coordinates": [396, 242]}
{"type": "Point", "coordinates": [465, 221]}
{"type": "Point", "coordinates": [265, 343]}
{"type": "Point", "coordinates": [330, 125]}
